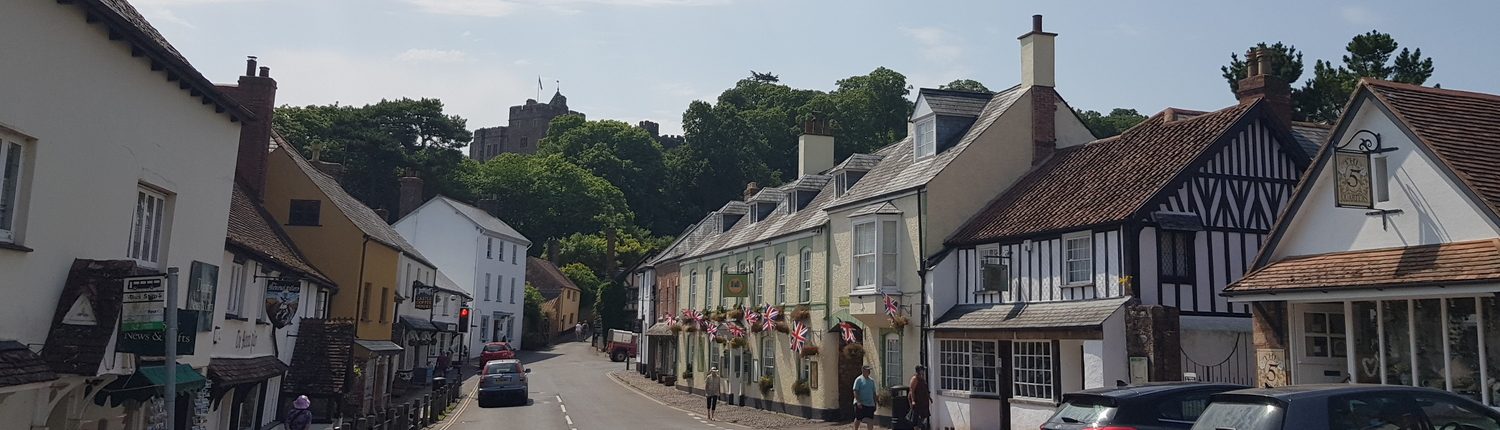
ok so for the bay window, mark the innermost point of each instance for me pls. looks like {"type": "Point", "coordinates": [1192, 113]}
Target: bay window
{"type": "Point", "coordinates": [876, 254]}
{"type": "Point", "coordinates": [968, 365]}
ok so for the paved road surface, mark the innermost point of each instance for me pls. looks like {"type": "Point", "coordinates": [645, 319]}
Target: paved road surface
{"type": "Point", "coordinates": [570, 390]}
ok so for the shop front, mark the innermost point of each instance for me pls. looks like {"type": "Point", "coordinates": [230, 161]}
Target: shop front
{"type": "Point", "coordinates": [244, 390]}
{"type": "Point", "coordinates": [141, 393]}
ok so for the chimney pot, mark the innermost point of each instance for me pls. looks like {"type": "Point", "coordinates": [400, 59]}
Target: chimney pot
{"type": "Point", "coordinates": [1036, 23]}
{"type": "Point", "coordinates": [265, 71]}
{"type": "Point", "coordinates": [1261, 83]}
{"type": "Point", "coordinates": [1038, 56]}
{"type": "Point", "coordinates": [751, 189]}
{"type": "Point", "coordinates": [814, 147]}
{"type": "Point", "coordinates": [250, 66]}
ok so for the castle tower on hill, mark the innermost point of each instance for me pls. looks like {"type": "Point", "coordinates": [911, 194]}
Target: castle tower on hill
{"type": "Point", "coordinates": [528, 124]}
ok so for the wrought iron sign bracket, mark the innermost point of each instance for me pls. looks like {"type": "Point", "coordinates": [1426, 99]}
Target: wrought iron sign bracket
{"type": "Point", "coordinates": [1369, 143]}
{"type": "Point", "coordinates": [1384, 216]}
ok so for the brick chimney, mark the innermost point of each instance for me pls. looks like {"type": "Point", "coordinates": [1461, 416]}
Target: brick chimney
{"type": "Point", "coordinates": [814, 147]}
{"type": "Point", "coordinates": [1261, 83]}
{"type": "Point", "coordinates": [1038, 71]}
{"type": "Point", "coordinates": [410, 194]}
{"type": "Point", "coordinates": [256, 91]}
{"type": "Point", "coordinates": [750, 190]}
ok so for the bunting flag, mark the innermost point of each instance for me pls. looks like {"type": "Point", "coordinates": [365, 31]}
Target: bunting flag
{"type": "Point", "coordinates": [772, 312]}
{"type": "Point", "coordinates": [751, 319]}
{"type": "Point", "coordinates": [767, 324]}
{"type": "Point", "coordinates": [690, 314]}
{"type": "Point", "coordinates": [848, 329]}
{"type": "Point", "coordinates": [892, 307]}
{"type": "Point", "coordinates": [736, 331]}
{"type": "Point", "coordinates": [712, 330]}
{"type": "Point", "coordinates": [799, 335]}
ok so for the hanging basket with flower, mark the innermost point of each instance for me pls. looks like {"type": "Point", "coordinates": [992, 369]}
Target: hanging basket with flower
{"type": "Point", "coordinates": [737, 342]}
{"type": "Point", "coordinates": [757, 328]}
{"type": "Point", "coordinates": [783, 327]}
{"type": "Point", "coordinates": [854, 351]}
{"type": "Point", "coordinates": [675, 328]}
{"type": "Point", "coordinates": [801, 313]}
{"type": "Point", "coordinates": [801, 388]}
{"type": "Point", "coordinates": [735, 314]}
{"type": "Point", "coordinates": [765, 385]}
{"type": "Point", "coordinates": [719, 339]}
{"type": "Point", "coordinates": [900, 321]}
{"type": "Point", "coordinates": [809, 351]}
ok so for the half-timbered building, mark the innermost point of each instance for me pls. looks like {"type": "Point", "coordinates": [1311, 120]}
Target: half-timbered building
{"type": "Point", "coordinates": [1386, 267]}
{"type": "Point", "coordinates": [1102, 266]}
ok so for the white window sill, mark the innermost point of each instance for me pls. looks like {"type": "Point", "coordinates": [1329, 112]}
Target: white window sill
{"type": "Point", "coordinates": [14, 246]}
{"type": "Point", "coordinates": [875, 292]}
{"type": "Point", "coordinates": [967, 394]}
{"type": "Point", "coordinates": [1078, 284]}
{"type": "Point", "coordinates": [1032, 401]}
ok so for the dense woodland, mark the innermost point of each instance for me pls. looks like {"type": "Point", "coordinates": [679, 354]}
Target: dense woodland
{"type": "Point", "coordinates": [589, 177]}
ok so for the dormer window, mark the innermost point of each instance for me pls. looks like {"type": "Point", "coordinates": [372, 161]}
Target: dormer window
{"type": "Point", "coordinates": [763, 210]}
{"type": "Point", "coordinates": [727, 222]}
{"type": "Point", "coordinates": [926, 139]}
{"type": "Point", "coordinates": [847, 179]}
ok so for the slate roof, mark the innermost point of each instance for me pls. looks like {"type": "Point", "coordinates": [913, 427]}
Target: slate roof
{"type": "Point", "coordinates": [1442, 264]}
{"type": "Point", "coordinates": [362, 216]}
{"type": "Point", "coordinates": [1101, 182]}
{"type": "Point", "coordinates": [416, 323]}
{"type": "Point", "coordinates": [858, 163]}
{"type": "Point", "coordinates": [127, 23]}
{"type": "Point", "coordinates": [1310, 136]}
{"type": "Point", "coordinates": [1030, 315]}
{"type": "Point", "coordinates": [484, 219]}
{"type": "Point", "coordinates": [898, 169]}
{"type": "Point", "coordinates": [1462, 127]}
{"type": "Point", "coordinates": [810, 183]}
{"type": "Point", "coordinates": [253, 229]}
{"type": "Point", "coordinates": [18, 365]}
{"type": "Point", "coordinates": [321, 358]}
{"type": "Point", "coordinates": [546, 278]}
{"type": "Point", "coordinates": [954, 102]}
{"type": "Point", "coordinates": [233, 371]}
{"type": "Point", "coordinates": [446, 283]}
{"type": "Point", "coordinates": [78, 349]}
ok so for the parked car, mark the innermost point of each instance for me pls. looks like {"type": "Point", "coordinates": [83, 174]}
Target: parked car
{"type": "Point", "coordinates": [1346, 407]}
{"type": "Point", "coordinates": [1172, 405]}
{"type": "Point", "coordinates": [503, 379]}
{"type": "Point", "coordinates": [496, 351]}
{"type": "Point", "coordinates": [621, 345]}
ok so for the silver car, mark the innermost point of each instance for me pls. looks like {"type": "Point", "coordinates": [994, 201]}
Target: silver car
{"type": "Point", "coordinates": [503, 379]}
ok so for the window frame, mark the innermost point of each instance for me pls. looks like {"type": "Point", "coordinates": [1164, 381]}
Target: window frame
{"type": "Point", "coordinates": [890, 367]}
{"type": "Point", "coordinates": [300, 210]}
{"type": "Point", "coordinates": [692, 288]}
{"type": "Point", "coordinates": [13, 177]}
{"type": "Point", "coordinates": [500, 255]}
{"type": "Point", "coordinates": [956, 364]}
{"type": "Point", "coordinates": [708, 287]}
{"type": "Point", "coordinates": [1069, 261]}
{"type": "Point", "coordinates": [884, 256]}
{"type": "Point", "coordinates": [780, 278]}
{"type": "Point", "coordinates": [872, 254]}
{"type": "Point", "coordinates": [236, 300]}
{"type": "Point", "coordinates": [1168, 251]}
{"type": "Point", "coordinates": [1042, 355]}
{"type": "Point", "coordinates": [994, 256]}
{"type": "Point", "coordinates": [805, 266]}
{"type": "Point", "coordinates": [489, 248]}
{"type": "Point", "coordinates": [924, 139]}
{"type": "Point", "coordinates": [136, 248]}
{"type": "Point", "coordinates": [768, 356]}
{"type": "Point", "coordinates": [760, 280]}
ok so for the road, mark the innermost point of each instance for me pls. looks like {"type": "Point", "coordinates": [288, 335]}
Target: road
{"type": "Point", "coordinates": [571, 390]}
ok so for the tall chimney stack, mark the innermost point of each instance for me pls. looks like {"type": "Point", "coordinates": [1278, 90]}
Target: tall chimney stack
{"type": "Point", "coordinates": [1261, 82]}
{"type": "Point", "coordinates": [814, 147]}
{"type": "Point", "coordinates": [410, 194]}
{"type": "Point", "coordinates": [1038, 56]}
{"type": "Point", "coordinates": [257, 93]}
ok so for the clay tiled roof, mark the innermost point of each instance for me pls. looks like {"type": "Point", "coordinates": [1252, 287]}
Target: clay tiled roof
{"type": "Point", "coordinates": [1100, 182]}
{"type": "Point", "coordinates": [1462, 127]}
{"type": "Point", "coordinates": [1030, 315]}
{"type": "Point", "coordinates": [18, 365]}
{"type": "Point", "coordinates": [1444, 264]}
{"type": "Point", "coordinates": [252, 229]}
{"type": "Point", "coordinates": [546, 278]}
{"type": "Point", "coordinates": [232, 371]}
{"type": "Point", "coordinates": [321, 358]}
{"type": "Point", "coordinates": [362, 216]}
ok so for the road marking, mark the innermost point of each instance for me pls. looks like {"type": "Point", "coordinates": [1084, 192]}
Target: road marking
{"type": "Point", "coordinates": [570, 419]}
{"type": "Point", "coordinates": [564, 408]}
{"type": "Point", "coordinates": [458, 412]}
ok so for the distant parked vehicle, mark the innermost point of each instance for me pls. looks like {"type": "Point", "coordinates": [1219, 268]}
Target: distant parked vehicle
{"type": "Point", "coordinates": [503, 379]}
{"type": "Point", "coordinates": [1346, 407]}
{"type": "Point", "coordinates": [621, 345]}
{"type": "Point", "coordinates": [1162, 406]}
{"type": "Point", "coordinates": [496, 351]}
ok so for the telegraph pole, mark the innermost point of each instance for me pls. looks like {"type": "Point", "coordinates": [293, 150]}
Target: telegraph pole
{"type": "Point", "coordinates": [169, 394]}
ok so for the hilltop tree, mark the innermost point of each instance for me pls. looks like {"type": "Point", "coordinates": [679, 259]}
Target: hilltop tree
{"type": "Point", "coordinates": [1118, 120]}
{"type": "Point", "coordinates": [545, 196]}
{"type": "Point", "coordinates": [965, 85]}
{"type": "Point", "coordinates": [1322, 97]}
{"type": "Point", "coordinates": [622, 154]}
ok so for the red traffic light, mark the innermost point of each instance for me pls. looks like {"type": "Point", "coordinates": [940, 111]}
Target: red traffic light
{"type": "Point", "coordinates": [463, 313]}
{"type": "Point", "coordinates": [463, 320]}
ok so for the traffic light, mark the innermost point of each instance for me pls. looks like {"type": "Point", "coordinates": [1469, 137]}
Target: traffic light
{"type": "Point", "coordinates": [463, 320]}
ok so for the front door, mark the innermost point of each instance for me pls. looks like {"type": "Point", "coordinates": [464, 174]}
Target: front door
{"type": "Point", "coordinates": [1322, 351]}
{"type": "Point", "coordinates": [849, 369]}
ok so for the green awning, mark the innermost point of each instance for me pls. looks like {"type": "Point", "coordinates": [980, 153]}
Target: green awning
{"type": "Point", "coordinates": [147, 382]}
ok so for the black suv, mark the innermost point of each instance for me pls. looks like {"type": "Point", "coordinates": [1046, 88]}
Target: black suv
{"type": "Point", "coordinates": [1170, 405]}
{"type": "Point", "coordinates": [1346, 407]}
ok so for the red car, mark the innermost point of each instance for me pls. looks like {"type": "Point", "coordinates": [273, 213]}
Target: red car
{"type": "Point", "coordinates": [496, 351]}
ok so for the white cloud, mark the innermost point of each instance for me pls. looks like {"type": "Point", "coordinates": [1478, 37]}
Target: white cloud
{"type": "Point", "coordinates": [495, 8]}
{"type": "Point", "coordinates": [938, 45]}
{"type": "Point", "coordinates": [1358, 15]}
{"type": "Point", "coordinates": [433, 56]}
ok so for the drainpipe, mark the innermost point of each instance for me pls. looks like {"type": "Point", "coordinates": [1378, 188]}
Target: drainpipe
{"type": "Point", "coordinates": [922, 269]}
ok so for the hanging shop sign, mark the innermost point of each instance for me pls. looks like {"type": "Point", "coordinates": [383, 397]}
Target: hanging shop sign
{"type": "Point", "coordinates": [736, 285]}
{"type": "Point", "coordinates": [1353, 186]}
{"type": "Point", "coordinates": [282, 298]}
{"type": "Point", "coordinates": [144, 304]}
{"type": "Point", "coordinates": [422, 296]}
{"type": "Point", "coordinates": [203, 288]}
{"type": "Point", "coordinates": [151, 342]}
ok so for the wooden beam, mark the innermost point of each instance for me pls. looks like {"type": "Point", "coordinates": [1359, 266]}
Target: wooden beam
{"type": "Point", "coordinates": [183, 85]}
{"type": "Point", "coordinates": [207, 100]}
{"type": "Point", "coordinates": [218, 108]}
{"type": "Point", "coordinates": [194, 92]}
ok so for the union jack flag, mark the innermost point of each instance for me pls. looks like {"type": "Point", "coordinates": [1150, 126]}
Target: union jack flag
{"type": "Point", "coordinates": [772, 312]}
{"type": "Point", "coordinates": [848, 329]}
{"type": "Point", "coordinates": [736, 331]}
{"type": "Point", "coordinates": [713, 329]}
{"type": "Point", "coordinates": [691, 314]}
{"type": "Point", "coordinates": [751, 318]}
{"type": "Point", "coordinates": [799, 335]}
{"type": "Point", "coordinates": [892, 307]}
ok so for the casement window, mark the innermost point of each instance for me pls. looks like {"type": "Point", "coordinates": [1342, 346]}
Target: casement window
{"type": "Point", "coordinates": [806, 265]}
{"type": "Point", "coordinates": [926, 139]}
{"type": "Point", "coordinates": [502, 251]}
{"type": "Point", "coordinates": [693, 288]}
{"type": "Point", "coordinates": [1078, 249]}
{"type": "Point", "coordinates": [513, 253]}
{"type": "Point", "coordinates": [237, 273]}
{"type": "Point", "coordinates": [780, 278]}
{"type": "Point", "coordinates": [875, 254]}
{"type": "Point", "coordinates": [994, 271]}
{"type": "Point", "coordinates": [305, 212]}
{"type": "Point", "coordinates": [1032, 372]}
{"type": "Point", "coordinates": [321, 310]}
{"type": "Point", "coordinates": [768, 356]}
{"type": "Point", "coordinates": [11, 155]}
{"type": "Point", "coordinates": [709, 286]}
{"type": "Point", "coordinates": [891, 360]}
{"type": "Point", "coordinates": [148, 227]}
{"type": "Point", "coordinates": [1175, 252]}
{"type": "Point", "coordinates": [969, 366]}
{"type": "Point", "coordinates": [846, 180]}
{"type": "Point", "coordinates": [489, 248]}
{"type": "Point", "coordinates": [512, 290]}
{"type": "Point", "coordinates": [760, 280]}
{"type": "Point", "coordinates": [484, 326]}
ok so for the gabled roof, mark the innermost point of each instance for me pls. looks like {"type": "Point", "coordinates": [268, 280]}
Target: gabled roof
{"type": "Point", "coordinates": [1461, 127]}
{"type": "Point", "coordinates": [480, 218]}
{"type": "Point", "coordinates": [954, 102]}
{"type": "Point", "coordinates": [447, 284]}
{"type": "Point", "coordinates": [362, 216]}
{"type": "Point", "coordinates": [812, 183]}
{"type": "Point", "coordinates": [877, 208]}
{"type": "Point", "coordinates": [1101, 182]}
{"type": "Point", "coordinates": [898, 169]}
{"type": "Point", "coordinates": [768, 195]}
{"type": "Point", "coordinates": [124, 22]}
{"type": "Point", "coordinates": [857, 163]}
{"type": "Point", "coordinates": [253, 230]}
{"type": "Point", "coordinates": [1423, 265]}
{"type": "Point", "coordinates": [546, 278]}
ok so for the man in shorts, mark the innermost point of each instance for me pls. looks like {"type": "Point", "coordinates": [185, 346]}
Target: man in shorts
{"type": "Point", "coordinates": [864, 399]}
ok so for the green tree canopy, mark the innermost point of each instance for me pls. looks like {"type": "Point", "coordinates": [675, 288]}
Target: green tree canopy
{"type": "Point", "coordinates": [965, 85]}
{"type": "Point", "coordinates": [1322, 97]}
{"type": "Point", "coordinates": [376, 143]}
{"type": "Point", "coordinates": [586, 280]}
{"type": "Point", "coordinates": [622, 154]}
{"type": "Point", "coordinates": [631, 246]}
{"type": "Point", "coordinates": [1118, 120]}
{"type": "Point", "coordinates": [545, 196]}
{"type": "Point", "coordinates": [610, 306]}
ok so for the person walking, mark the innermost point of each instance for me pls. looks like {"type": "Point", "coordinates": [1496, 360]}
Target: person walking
{"type": "Point", "coordinates": [864, 399]}
{"type": "Point", "coordinates": [921, 400]}
{"type": "Point", "coordinates": [714, 387]}
{"type": "Point", "coordinates": [299, 418]}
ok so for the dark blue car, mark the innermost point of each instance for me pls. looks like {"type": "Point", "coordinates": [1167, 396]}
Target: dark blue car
{"type": "Point", "coordinates": [1168, 405]}
{"type": "Point", "coordinates": [1346, 407]}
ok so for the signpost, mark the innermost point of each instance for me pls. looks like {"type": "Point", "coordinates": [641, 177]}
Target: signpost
{"type": "Point", "coordinates": [169, 394]}
{"type": "Point", "coordinates": [142, 304]}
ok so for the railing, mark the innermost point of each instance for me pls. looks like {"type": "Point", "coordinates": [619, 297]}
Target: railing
{"type": "Point", "coordinates": [1237, 367]}
{"type": "Point", "coordinates": [414, 415]}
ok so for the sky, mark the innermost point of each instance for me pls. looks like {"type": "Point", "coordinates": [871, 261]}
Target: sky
{"type": "Point", "coordinates": [633, 60]}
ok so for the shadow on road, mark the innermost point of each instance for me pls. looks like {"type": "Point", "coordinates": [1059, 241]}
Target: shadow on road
{"type": "Point", "coordinates": [533, 357]}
